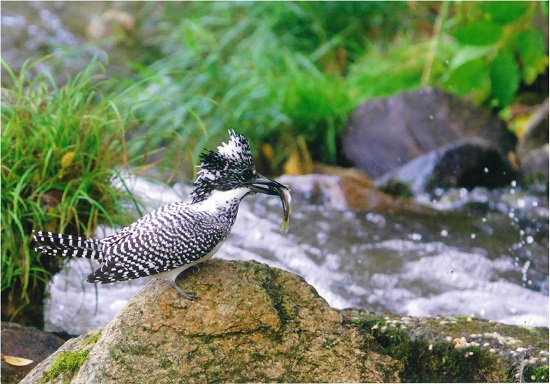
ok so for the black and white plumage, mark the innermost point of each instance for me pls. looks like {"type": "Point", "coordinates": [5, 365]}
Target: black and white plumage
{"type": "Point", "coordinates": [175, 236]}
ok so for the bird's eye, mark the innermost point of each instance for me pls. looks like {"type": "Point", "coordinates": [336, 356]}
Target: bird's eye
{"type": "Point", "coordinates": [248, 174]}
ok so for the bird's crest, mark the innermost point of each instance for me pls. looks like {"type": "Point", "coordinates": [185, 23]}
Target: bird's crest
{"type": "Point", "coordinates": [235, 153]}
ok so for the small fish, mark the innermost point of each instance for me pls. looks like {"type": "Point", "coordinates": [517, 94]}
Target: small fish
{"type": "Point", "coordinates": [284, 194]}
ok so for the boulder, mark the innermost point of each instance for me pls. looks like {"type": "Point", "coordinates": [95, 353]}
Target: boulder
{"type": "Point", "coordinates": [384, 134]}
{"type": "Point", "coordinates": [467, 163]}
{"type": "Point", "coordinates": [346, 188]}
{"type": "Point", "coordinates": [535, 165]}
{"type": "Point", "coordinates": [532, 149]}
{"type": "Point", "coordinates": [250, 323]}
{"type": "Point", "coordinates": [27, 343]}
{"type": "Point", "coordinates": [536, 132]}
{"type": "Point", "coordinates": [458, 349]}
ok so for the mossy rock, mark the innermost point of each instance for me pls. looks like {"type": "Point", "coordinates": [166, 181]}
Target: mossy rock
{"type": "Point", "coordinates": [458, 349]}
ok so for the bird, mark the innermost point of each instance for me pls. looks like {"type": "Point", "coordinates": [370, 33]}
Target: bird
{"type": "Point", "coordinates": [175, 236]}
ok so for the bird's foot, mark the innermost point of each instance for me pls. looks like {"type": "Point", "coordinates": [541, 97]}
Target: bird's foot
{"type": "Point", "coordinates": [188, 295]}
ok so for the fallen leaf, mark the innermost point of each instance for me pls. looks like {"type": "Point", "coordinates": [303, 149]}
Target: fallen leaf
{"type": "Point", "coordinates": [17, 361]}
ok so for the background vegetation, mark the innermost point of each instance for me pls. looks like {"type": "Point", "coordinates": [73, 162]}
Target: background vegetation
{"type": "Point", "coordinates": [286, 70]}
{"type": "Point", "coordinates": [61, 148]}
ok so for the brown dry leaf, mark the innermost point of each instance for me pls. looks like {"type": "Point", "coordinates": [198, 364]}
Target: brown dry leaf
{"type": "Point", "coordinates": [16, 361]}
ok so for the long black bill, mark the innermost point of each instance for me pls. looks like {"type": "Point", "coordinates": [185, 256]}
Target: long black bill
{"type": "Point", "coordinates": [266, 185]}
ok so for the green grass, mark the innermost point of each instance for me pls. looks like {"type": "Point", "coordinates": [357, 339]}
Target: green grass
{"type": "Point", "coordinates": [61, 146]}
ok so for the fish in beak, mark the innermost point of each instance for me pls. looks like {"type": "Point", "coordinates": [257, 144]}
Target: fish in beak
{"type": "Point", "coordinates": [271, 187]}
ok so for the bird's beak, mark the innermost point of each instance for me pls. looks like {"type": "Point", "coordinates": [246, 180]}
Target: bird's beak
{"type": "Point", "coordinates": [266, 185]}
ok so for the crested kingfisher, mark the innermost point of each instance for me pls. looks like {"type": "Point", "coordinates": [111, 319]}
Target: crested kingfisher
{"type": "Point", "coordinates": [175, 236]}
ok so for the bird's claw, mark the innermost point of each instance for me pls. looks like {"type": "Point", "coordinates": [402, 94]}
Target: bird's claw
{"type": "Point", "coordinates": [188, 295]}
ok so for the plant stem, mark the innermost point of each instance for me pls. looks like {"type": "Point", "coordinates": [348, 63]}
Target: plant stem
{"type": "Point", "coordinates": [438, 27]}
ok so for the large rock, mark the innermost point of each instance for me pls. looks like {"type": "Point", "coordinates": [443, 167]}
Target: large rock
{"type": "Point", "coordinates": [251, 323]}
{"type": "Point", "coordinates": [533, 146]}
{"type": "Point", "coordinates": [467, 163]}
{"type": "Point", "coordinates": [459, 349]}
{"type": "Point", "coordinates": [535, 165]}
{"type": "Point", "coordinates": [536, 132]}
{"type": "Point", "coordinates": [384, 134]}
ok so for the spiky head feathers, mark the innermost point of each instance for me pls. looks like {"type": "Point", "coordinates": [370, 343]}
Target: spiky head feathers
{"type": "Point", "coordinates": [230, 167]}
{"type": "Point", "coordinates": [231, 155]}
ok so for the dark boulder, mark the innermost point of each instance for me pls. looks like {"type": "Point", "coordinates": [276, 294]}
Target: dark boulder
{"type": "Point", "coordinates": [384, 134]}
{"type": "Point", "coordinates": [464, 164]}
{"type": "Point", "coordinates": [27, 343]}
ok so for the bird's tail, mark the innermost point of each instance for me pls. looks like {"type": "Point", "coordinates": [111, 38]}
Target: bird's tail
{"type": "Point", "coordinates": [57, 244]}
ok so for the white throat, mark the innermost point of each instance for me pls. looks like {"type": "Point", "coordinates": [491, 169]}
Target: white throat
{"type": "Point", "coordinates": [221, 199]}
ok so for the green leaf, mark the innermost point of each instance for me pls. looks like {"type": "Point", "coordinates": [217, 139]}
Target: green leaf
{"type": "Point", "coordinates": [505, 78]}
{"type": "Point", "coordinates": [504, 12]}
{"type": "Point", "coordinates": [470, 52]}
{"type": "Point", "coordinates": [468, 77]}
{"type": "Point", "coordinates": [478, 32]}
{"type": "Point", "coordinates": [531, 50]}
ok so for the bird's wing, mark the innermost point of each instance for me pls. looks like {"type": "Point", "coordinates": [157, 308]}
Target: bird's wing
{"type": "Point", "coordinates": [171, 240]}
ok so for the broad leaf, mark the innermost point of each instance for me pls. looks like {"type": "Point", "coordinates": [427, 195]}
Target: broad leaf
{"type": "Point", "coordinates": [468, 77]}
{"type": "Point", "coordinates": [504, 12]}
{"type": "Point", "coordinates": [531, 49]}
{"type": "Point", "coordinates": [478, 32]}
{"type": "Point", "coordinates": [505, 78]}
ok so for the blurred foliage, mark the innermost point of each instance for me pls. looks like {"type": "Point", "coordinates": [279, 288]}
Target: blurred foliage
{"type": "Point", "coordinates": [60, 147]}
{"type": "Point", "coordinates": [276, 71]}
{"type": "Point", "coordinates": [498, 49]}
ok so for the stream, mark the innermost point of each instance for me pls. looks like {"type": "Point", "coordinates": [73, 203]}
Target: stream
{"type": "Point", "coordinates": [484, 254]}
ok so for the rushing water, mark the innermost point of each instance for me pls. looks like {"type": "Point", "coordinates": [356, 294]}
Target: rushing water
{"type": "Point", "coordinates": [488, 257]}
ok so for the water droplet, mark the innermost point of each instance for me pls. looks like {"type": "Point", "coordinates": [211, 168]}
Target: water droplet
{"type": "Point", "coordinates": [513, 183]}
{"type": "Point", "coordinates": [529, 239]}
{"type": "Point", "coordinates": [486, 170]}
{"type": "Point", "coordinates": [415, 236]}
{"type": "Point", "coordinates": [483, 219]}
{"type": "Point", "coordinates": [444, 233]}
{"type": "Point", "coordinates": [473, 236]}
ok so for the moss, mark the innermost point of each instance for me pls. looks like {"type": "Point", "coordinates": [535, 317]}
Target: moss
{"type": "Point", "coordinates": [92, 338]}
{"type": "Point", "coordinates": [433, 361]}
{"type": "Point", "coordinates": [65, 366]}
{"type": "Point", "coordinates": [539, 375]}
{"type": "Point", "coordinates": [439, 361]}
{"type": "Point", "coordinates": [397, 188]}
{"type": "Point", "coordinates": [528, 374]}
{"type": "Point", "coordinates": [535, 179]}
